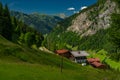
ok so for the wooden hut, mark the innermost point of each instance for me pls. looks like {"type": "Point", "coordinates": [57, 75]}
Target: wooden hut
{"type": "Point", "coordinates": [91, 60]}
{"type": "Point", "coordinates": [95, 62]}
{"type": "Point", "coordinates": [63, 52]}
{"type": "Point", "coordinates": [98, 65]}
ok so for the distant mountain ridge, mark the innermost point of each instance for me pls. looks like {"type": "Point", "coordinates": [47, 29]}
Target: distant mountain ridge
{"type": "Point", "coordinates": [41, 22]}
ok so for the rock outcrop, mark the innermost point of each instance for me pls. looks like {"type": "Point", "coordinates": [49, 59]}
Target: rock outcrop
{"type": "Point", "coordinates": [93, 19]}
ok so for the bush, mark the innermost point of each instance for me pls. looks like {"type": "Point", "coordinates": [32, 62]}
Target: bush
{"type": "Point", "coordinates": [102, 52]}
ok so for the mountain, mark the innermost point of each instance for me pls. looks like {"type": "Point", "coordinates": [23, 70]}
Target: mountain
{"type": "Point", "coordinates": [94, 28]}
{"type": "Point", "coordinates": [41, 22]}
{"type": "Point", "coordinates": [94, 18]}
{"type": "Point", "coordinates": [21, 60]}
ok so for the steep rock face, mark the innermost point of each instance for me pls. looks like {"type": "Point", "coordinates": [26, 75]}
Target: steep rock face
{"type": "Point", "coordinates": [94, 19]}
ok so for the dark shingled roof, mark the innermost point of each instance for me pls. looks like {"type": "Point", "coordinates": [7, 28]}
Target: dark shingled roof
{"type": "Point", "coordinates": [79, 53]}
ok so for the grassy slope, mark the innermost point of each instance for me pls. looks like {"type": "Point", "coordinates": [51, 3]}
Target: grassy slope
{"type": "Point", "coordinates": [22, 63]}
{"type": "Point", "coordinates": [11, 52]}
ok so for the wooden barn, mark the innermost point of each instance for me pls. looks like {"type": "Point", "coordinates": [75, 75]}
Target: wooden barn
{"type": "Point", "coordinates": [98, 65]}
{"type": "Point", "coordinates": [95, 62]}
{"type": "Point", "coordinates": [63, 52]}
{"type": "Point", "coordinates": [79, 56]}
{"type": "Point", "coordinates": [91, 60]}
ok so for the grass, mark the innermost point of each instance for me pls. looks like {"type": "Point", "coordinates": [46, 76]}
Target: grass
{"type": "Point", "coordinates": [18, 62]}
{"type": "Point", "coordinates": [14, 52]}
{"type": "Point", "coordinates": [30, 72]}
{"type": "Point", "coordinates": [25, 71]}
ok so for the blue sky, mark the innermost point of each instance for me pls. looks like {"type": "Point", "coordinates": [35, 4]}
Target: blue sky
{"type": "Point", "coordinates": [67, 7]}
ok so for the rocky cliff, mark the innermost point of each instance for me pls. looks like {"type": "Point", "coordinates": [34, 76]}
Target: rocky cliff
{"type": "Point", "coordinates": [94, 18]}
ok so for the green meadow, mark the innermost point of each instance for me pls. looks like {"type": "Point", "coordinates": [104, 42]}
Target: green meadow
{"type": "Point", "coordinates": [25, 71]}
{"type": "Point", "coordinates": [18, 62]}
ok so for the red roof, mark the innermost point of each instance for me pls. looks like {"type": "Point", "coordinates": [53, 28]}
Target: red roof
{"type": "Point", "coordinates": [62, 51]}
{"type": "Point", "coordinates": [97, 59]}
{"type": "Point", "coordinates": [97, 64]}
{"type": "Point", "coordinates": [91, 60]}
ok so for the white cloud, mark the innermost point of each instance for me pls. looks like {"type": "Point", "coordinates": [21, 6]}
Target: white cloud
{"type": "Point", "coordinates": [84, 7]}
{"type": "Point", "coordinates": [71, 9]}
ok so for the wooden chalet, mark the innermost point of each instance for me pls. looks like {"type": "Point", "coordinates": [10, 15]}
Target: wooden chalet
{"type": "Point", "coordinates": [95, 62]}
{"type": "Point", "coordinates": [63, 52]}
{"type": "Point", "coordinates": [79, 56]}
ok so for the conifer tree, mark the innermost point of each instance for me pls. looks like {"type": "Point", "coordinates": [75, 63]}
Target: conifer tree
{"type": "Point", "coordinates": [7, 27]}
{"type": "Point", "coordinates": [1, 9]}
{"type": "Point", "coordinates": [6, 12]}
{"type": "Point", "coordinates": [115, 33]}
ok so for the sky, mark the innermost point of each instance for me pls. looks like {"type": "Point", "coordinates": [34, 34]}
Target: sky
{"type": "Point", "coordinates": [67, 7]}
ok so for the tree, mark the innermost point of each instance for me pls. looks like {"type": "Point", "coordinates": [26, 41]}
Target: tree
{"type": "Point", "coordinates": [21, 38]}
{"type": "Point", "coordinates": [29, 39]}
{"type": "Point", "coordinates": [14, 22]}
{"type": "Point", "coordinates": [6, 12]}
{"type": "Point", "coordinates": [38, 40]}
{"type": "Point", "coordinates": [115, 32]}
{"type": "Point", "coordinates": [115, 36]}
{"type": "Point", "coordinates": [1, 9]}
{"type": "Point", "coordinates": [7, 29]}
{"type": "Point", "coordinates": [5, 23]}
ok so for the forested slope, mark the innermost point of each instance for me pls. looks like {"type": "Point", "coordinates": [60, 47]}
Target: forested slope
{"type": "Point", "coordinates": [100, 30]}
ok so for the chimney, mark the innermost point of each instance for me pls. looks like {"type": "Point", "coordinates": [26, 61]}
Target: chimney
{"type": "Point", "coordinates": [79, 52]}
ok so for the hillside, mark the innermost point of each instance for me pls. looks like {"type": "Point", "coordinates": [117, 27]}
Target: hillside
{"type": "Point", "coordinates": [94, 21]}
{"type": "Point", "coordinates": [94, 28]}
{"type": "Point", "coordinates": [41, 22]}
{"type": "Point", "coordinates": [11, 52]}
{"type": "Point", "coordinates": [20, 62]}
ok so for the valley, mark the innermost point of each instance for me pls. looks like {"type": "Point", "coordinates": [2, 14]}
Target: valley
{"type": "Point", "coordinates": [30, 44]}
